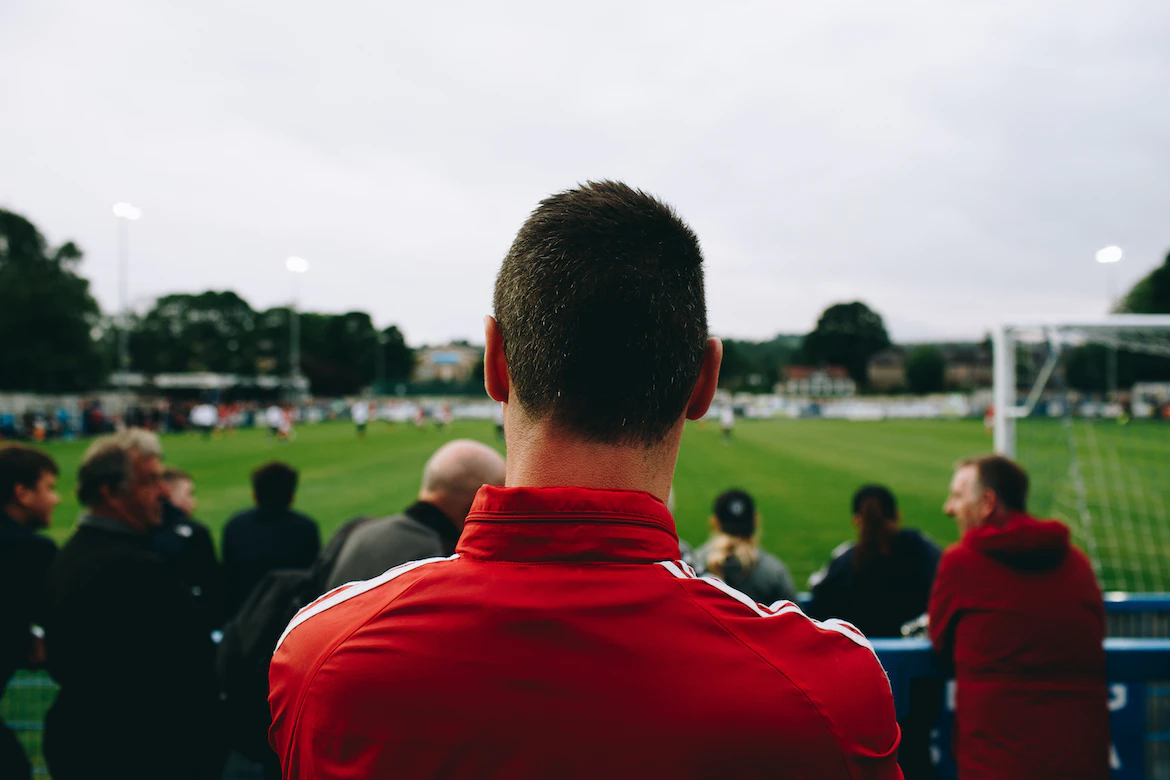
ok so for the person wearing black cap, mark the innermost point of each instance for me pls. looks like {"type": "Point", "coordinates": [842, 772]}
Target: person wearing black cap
{"type": "Point", "coordinates": [733, 553]}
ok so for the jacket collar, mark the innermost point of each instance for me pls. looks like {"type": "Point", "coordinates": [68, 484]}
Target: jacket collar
{"type": "Point", "coordinates": [10, 529]}
{"type": "Point", "coordinates": [426, 513]}
{"type": "Point", "coordinates": [568, 524]}
{"type": "Point", "coordinates": [107, 524]}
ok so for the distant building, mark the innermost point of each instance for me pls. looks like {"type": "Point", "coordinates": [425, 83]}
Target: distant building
{"type": "Point", "coordinates": [817, 382]}
{"type": "Point", "coordinates": [969, 366]}
{"type": "Point", "coordinates": [886, 370]}
{"type": "Point", "coordinates": [451, 363]}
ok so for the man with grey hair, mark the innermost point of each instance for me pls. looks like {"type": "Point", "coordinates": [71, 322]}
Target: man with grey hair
{"type": "Point", "coordinates": [430, 527]}
{"type": "Point", "coordinates": [122, 636]}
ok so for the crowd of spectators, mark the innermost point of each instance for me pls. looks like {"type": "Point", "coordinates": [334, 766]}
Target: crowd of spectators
{"type": "Point", "coordinates": [540, 617]}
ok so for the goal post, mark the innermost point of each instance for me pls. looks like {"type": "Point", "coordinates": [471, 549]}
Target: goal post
{"type": "Point", "coordinates": [1084, 405]}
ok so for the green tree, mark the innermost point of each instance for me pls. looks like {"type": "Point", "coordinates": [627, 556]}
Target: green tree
{"type": "Point", "coordinates": [397, 357]}
{"type": "Point", "coordinates": [49, 319]}
{"type": "Point", "coordinates": [847, 334]}
{"type": "Point", "coordinates": [211, 331]}
{"type": "Point", "coordinates": [925, 370]}
{"type": "Point", "coordinates": [1151, 295]}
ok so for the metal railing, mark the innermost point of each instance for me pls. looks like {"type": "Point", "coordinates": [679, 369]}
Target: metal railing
{"type": "Point", "coordinates": [1137, 653]}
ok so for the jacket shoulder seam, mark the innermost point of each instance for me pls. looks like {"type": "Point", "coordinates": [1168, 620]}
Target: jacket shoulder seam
{"type": "Point", "coordinates": [824, 719]}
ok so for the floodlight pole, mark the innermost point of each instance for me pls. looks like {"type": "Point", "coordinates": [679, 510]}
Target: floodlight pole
{"type": "Point", "coordinates": [1109, 257]}
{"type": "Point", "coordinates": [297, 266]}
{"type": "Point", "coordinates": [123, 302]}
{"type": "Point", "coordinates": [125, 213]}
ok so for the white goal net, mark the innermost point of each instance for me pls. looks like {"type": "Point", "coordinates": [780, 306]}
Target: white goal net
{"type": "Point", "coordinates": [1085, 408]}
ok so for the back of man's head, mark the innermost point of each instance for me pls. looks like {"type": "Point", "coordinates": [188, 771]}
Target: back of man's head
{"type": "Point", "coordinates": [454, 474]}
{"type": "Point", "coordinates": [601, 308]}
{"type": "Point", "coordinates": [1003, 477]}
{"type": "Point", "coordinates": [274, 485]}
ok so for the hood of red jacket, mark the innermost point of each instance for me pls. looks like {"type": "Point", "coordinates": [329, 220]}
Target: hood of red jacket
{"type": "Point", "coordinates": [1022, 542]}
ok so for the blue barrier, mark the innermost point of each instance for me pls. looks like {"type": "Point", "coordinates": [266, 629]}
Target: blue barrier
{"type": "Point", "coordinates": [1139, 700]}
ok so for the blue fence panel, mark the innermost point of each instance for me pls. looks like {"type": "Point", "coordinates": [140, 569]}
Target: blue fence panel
{"type": "Point", "coordinates": [1138, 671]}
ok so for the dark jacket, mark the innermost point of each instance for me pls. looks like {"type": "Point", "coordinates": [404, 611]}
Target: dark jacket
{"type": "Point", "coordinates": [767, 582]}
{"type": "Point", "coordinates": [186, 544]}
{"type": "Point", "coordinates": [1019, 613]}
{"type": "Point", "coordinates": [257, 541]}
{"type": "Point", "coordinates": [422, 531]}
{"type": "Point", "coordinates": [25, 558]}
{"type": "Point", "coordinates": [134, 662]}
{"type": "Point", "coordinates": [890, 591]}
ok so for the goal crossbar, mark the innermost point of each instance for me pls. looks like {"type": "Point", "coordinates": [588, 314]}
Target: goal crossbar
{"type": "Point", "coordinates": [1119, 331]}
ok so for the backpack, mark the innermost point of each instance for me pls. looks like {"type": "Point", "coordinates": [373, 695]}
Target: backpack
{"type": "Point", "coordinates": [249, 640]}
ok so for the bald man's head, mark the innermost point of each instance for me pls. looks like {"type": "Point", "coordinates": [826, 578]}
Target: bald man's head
{"type": "Point", "coordinates": [456, 472]}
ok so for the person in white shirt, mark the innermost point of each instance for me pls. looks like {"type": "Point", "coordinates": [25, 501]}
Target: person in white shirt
{"type": "Point", "coordinates": [727, 422]}
{"type": "Point", "coordinates": [274, 416]}
{"type": "Point", "coordinates": [204, 417]}
{"type": "Point", "coordinates": [360, 412]}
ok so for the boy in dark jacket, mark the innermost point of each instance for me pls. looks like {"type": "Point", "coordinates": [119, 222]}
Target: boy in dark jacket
{"type": "Point", "coordinates": [1019, 612]}
{"type": "Point", "coordinates": [28, 495]}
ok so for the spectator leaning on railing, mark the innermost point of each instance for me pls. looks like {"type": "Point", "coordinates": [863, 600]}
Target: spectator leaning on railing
{"type": "Point", "coordinates": [565, 638]}
{"type": "Point", "coordinates": [1018, 611]}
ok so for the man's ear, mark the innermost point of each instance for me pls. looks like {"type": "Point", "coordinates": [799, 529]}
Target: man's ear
{"type": "Point", "coordinates": [495, 365]}
{"type": "Point", "coordinates": [708, 380]}
{"type": "Point", "coordinates": [21, 494]}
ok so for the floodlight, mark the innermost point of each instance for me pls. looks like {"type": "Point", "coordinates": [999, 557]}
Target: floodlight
{"type": "Point", "coordinates": [126, 211]}
{"type": "Point", "coordinates": [1110, 254]}
{"type": "Point", "coordinates": [298, 265]}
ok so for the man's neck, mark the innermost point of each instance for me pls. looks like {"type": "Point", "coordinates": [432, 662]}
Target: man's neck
{"type": "Point", "coordinates": [539, 456]}
{"type": "Point", "coordinates": [17, 514]}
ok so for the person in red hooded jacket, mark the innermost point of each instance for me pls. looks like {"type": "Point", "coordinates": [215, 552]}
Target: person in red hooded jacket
{"type": "Point", "coordinates": [1019, 613]}
{"type": "Point", "coordinates": [565, 637]}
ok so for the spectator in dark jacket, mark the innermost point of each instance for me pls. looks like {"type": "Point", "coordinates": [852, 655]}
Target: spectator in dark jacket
{"type": "Point", "coordinates": [883, 580]}
{"type": "Point", "coordinates": [1019, 613]}
{"type": "Point", "coordinates": [430, 527]}
{"type": "Point", "coordinates": [269, 536]}
{"type": "Point", "coordinates": [878, 584]}
{"type": "Point", "coordinates": [28, 495]}
{"type": "Point", "coordinates": [186, 543]}
{"type": "Point", "coordinates": [122, 637]}
{"type": "Point", "coordinates": [733, 552]}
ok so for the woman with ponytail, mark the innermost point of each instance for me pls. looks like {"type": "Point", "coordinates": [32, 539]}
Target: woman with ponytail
{"type": "Point", "coordinates": [883, 580]}
{"type": "Point", "coordinates": [733, 552]}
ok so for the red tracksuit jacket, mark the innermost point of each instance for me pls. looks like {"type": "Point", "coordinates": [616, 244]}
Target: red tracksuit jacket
{"type": "Point", "coordinates": [1020, 613]}
{"type": "Point", "coordinates": [565, 639]}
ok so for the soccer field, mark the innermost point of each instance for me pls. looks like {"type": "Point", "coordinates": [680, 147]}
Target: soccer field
{"type": "Point", "coordinates": [802, 473]}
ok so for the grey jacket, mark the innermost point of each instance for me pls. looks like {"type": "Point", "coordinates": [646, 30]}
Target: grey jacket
{"type": "Point", "coordinates": [422, 531]}
{"type": "Point", "coordinates": [766, 582]}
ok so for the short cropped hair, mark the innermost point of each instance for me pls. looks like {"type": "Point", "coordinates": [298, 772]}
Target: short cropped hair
{"type": "Point", "coordinates": [601, 307]}
{"type": "Point", "coordinates": [22, 466]}
{"type": "Point", "coordinates": [172, 475]}
{"type": "Point", "coordinates": [274, 485]}
{"type": "Point", "coordinates": [109, 462]}
{"type": "Point", "coordinates": [1001, 476]}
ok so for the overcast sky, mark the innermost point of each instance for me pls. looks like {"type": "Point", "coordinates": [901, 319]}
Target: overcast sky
{"type": "Point", "coordinates": [950, 164]}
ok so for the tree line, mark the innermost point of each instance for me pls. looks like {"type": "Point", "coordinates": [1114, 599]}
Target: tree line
{"type": "Point", "coordinates": [56, 338]}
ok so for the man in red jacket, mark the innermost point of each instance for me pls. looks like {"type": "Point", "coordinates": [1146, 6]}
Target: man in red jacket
{"type": "Point", "coordinates": [565, 638]}
{"type": "Point", "coordinates": [1018, 611]}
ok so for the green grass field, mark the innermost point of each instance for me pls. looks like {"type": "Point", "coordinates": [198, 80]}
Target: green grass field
{"type": "Point", "coordinates": [802, 473]}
